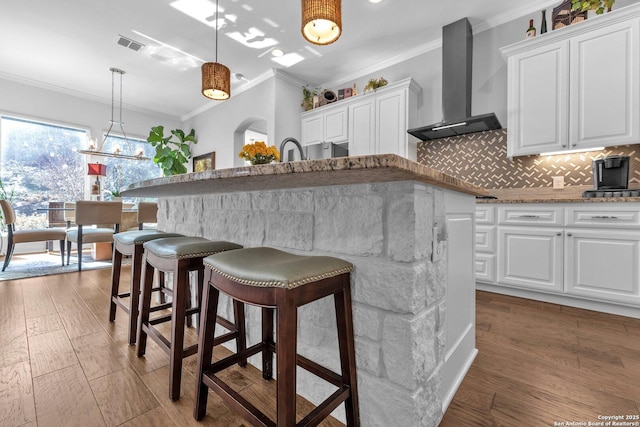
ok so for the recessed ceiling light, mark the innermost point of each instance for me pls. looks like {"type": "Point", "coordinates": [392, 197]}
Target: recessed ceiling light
{"type": "Point", "coordinates": [375, 1]}
{"type": "Point", "coordinates": [277, 52]}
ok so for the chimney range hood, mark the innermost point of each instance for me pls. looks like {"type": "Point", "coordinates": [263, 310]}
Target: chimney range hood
{"type": "Point", "coordinates": [457, 56]}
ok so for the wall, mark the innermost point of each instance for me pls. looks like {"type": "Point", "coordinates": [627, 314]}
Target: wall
{"type": "Point", "coordinates": [34, 102]}
{"type": "Point", "coordinates": [481, 159]}
{"type": "Point", "coordinates": [276, 100]}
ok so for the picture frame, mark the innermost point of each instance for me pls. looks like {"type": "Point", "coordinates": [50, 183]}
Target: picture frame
{"type": "Point", "coordinates": [204, 162]}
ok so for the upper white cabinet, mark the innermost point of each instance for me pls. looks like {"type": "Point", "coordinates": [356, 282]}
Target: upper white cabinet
{"type": "Point", "coordinates": [372, 123]}
{"type": "Point", "coordinates": [577, 87]}
{"type": "Point", "coordinates": [328, 126]}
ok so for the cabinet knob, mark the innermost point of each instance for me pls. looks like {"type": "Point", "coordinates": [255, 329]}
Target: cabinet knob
{"type": "Point", "coordinates": [574, 144]}
{"type": "Point", "coordinates": [558, 234]}
{"type": "Point", "coordinates": [569, 234]}
{"type": "Point", "coordinates": [564, 145]}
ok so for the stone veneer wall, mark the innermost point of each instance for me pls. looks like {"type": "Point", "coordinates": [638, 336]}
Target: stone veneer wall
{"type": "Point", "coordinates": [481, 159]}
{"type": "Point", "coordinates": [398, 293]}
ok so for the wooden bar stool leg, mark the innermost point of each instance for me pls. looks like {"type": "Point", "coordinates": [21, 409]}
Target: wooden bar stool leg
{"type": "Point", "coordinates": [134, 289]}
{"type": "Point", "coordinates": [241, 339]}
{"type": "Point", "coordinates": [286, 326]}
{"type": "Point", "coordinates": [187, 298]}
{"type": "Point", "coordinates": [145, 308]}
{"type": "Point", "coordinates": [116, 265]}
{"type": "Point", "coordinates": [179, 303]}
{"type": "Point", "coordinates": [346, 346]}
{"type": "Point", "coordinates": [267, 341]}
{"type": "Point", "coordinates": [209, 312]}
{"type": "Point", "coordinates": [161, 283]}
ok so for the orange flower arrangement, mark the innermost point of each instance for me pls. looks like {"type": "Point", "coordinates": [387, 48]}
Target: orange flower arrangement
{"type": "Point", "coordinates": [259, 153]}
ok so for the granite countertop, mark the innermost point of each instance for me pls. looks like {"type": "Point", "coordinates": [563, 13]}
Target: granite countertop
{"type": "Point", "coordinates": [567, 200]}
{"type": "Point", "coordinates": [300, 174]}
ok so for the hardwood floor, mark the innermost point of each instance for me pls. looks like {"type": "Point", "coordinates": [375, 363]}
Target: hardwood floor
{"type": "Point", "coordinates": [62, 363]}
{"type": "Point", "coordinates": [540, 364]}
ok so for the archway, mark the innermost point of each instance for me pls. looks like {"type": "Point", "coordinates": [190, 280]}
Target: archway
{"type": "Point", "coordinates": [251, 128]}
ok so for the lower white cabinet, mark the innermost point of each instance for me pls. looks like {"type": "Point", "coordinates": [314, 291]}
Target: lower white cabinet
{"type": "Point", "coordinates": [530, 257]}
{"type": "Point", "coordinates": [603, 264]}
{"type": "Point", "coordinates": [578, 251]}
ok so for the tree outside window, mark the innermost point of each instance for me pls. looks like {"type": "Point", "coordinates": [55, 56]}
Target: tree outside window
{"type": "Point", "coordinates": [40, 163]}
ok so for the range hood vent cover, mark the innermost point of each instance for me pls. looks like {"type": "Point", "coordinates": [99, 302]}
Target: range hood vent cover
{"type": "Point", "coordinates": [457, 57]}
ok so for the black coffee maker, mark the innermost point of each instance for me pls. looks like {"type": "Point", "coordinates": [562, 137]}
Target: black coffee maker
{"type": "Point", "coordinates": [611, 173]}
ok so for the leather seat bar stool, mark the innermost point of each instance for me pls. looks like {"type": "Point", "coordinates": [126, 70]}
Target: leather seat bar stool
{"type": "Point", "coordinates": [179, 255]}
{"type": "Point", "coordinates": [130, 243]}
{"type": "Point", "coordinates": [280, 281]}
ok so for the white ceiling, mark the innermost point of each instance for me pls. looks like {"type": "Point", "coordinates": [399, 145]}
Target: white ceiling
{"type": "Point", "coordinates": [70, 45]}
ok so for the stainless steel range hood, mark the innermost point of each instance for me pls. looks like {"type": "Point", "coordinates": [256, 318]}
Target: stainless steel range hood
{"type": "Point", "coordinates": [457, 56]}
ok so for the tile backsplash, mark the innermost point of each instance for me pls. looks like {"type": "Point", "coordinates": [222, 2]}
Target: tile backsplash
{"type": "Point", "coordinates": [481, 159]}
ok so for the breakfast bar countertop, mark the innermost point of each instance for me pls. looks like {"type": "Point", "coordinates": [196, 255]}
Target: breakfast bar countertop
{"type": "Point", "coordinates": [300, 174]}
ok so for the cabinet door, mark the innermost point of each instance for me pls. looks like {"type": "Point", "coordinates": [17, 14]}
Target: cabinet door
{"type": "Point", "coordinates": [604, 265]}
{"type": "Point", "coordinates": [485, 268]}
{"type": "Point", "coordinates": [391, 129]}
{"type": "Point", "coordinates": [362, 128]}
{"type": "Point", "coordinates": [530, 257]}
{"type": "Point", "coordinates": [604, 86]}
{"type": "Point", "coordinates": [312, 129]}
{"type": "Point", "coordinates": [336, 126]}
{"type": "Point", "coordinates": [537, 104]}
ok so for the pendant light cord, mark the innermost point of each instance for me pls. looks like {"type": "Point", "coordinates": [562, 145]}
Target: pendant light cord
{"type": "Point", "coordinates": [217, 12]}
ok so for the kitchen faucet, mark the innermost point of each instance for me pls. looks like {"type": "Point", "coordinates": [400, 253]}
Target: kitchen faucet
{"type": "Point", "coordinates": [295, 141]}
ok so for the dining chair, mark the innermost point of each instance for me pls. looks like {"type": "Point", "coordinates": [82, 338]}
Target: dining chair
{"type": "Point", "coordinates": [147, 214]}
{"type": "Point", "coordinates": [96, 222]}
{"type": "Point", "coordinates": [24, 236]}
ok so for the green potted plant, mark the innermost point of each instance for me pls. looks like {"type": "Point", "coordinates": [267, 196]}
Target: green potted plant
{"type": "Point", "coordinates": [171, 155]}
{"type": "Point", "coordinates": [307, 97]}
{"type": "Point", "coordinates": [374, 84]}
{"type": "Point", "coordinates": [598, 6]}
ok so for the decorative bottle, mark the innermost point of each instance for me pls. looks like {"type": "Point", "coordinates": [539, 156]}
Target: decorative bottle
{"type": "Point", "coordinates": [543, 25]}
{"type": "Point", "coordinates": [531, 32]}
{"type": "Point", "coordinates": [354, 92]}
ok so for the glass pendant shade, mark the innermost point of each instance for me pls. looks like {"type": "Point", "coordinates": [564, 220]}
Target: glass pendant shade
{"type": "Point", "coordinates": [216, 81]}
{"type": "Point", "coordinates": [321, 20]}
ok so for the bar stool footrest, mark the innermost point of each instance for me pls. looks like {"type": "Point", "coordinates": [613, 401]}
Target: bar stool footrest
{"type": "Point", "coordinates": [233, 359]}
{"type": "Point", "coordinates": [237, 402]}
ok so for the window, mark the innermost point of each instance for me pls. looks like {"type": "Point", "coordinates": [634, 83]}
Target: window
{"type": "Point", "coordinates": [123, 172]}
{"type": "Point", "coordinates": [39, 163]}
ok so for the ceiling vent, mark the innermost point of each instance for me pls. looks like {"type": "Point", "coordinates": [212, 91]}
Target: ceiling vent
{"type": "Point", "coordinates": [131, 44]}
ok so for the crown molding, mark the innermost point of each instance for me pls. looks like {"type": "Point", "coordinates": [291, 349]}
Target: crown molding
{"type": "Point", "coordinates": [84, 95]}
{"type": "Point", "coordinates": [437, 43]}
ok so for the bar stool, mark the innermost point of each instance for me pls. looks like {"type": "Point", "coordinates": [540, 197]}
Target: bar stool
{"type": "Point", "coordinates": [277, 280]}
{"type": "Point", "coordinates": [130, 243]}
{"type": "Point", "coordinates": [180, 255]}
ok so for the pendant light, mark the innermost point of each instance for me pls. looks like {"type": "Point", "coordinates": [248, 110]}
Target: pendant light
{"type": "Point", "coordinates": [216, 78]}
{"type": "Point", "coordinates": [321, 20]}
{"type": "Point", "coordinates": [98, 151]}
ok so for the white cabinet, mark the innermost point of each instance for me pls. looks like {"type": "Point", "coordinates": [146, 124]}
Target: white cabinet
{"type": "Point", "coordinates": [575, 88]}
{"type": "Point", "coordinates": [582, 254]}
{"type": "Point", "coordinates": [373, 123]}
{"type": "Point", "coordinates": [538, 93]}
{"type": "Point", "coordinates": [485, 263]}
{"type": "Point", "coordinates": [328, 126]}
{"type": "Point", "coordinates": [604, 264]}
{"type": "Point", "coordinates": [530, 257]}
{"type": "Point", "coordinates": [604, 87]}
{"type": "Point", "coordinates": [362, 127]}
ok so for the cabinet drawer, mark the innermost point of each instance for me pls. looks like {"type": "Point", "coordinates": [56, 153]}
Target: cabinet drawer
{"type": "Point", "coordinates": [486, 238]}
{"type": "Point", "coordinates": [597, 216]}
{"type": "Point", "coordinates": [530, 215]}
{"type": "Point", "coordinates": [485, 268]}
{"type": "Point", "coordinates": [485, 215]}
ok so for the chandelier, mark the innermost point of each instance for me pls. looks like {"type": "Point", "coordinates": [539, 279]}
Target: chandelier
{"type": "Point", "coordinates": [98, 151]}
